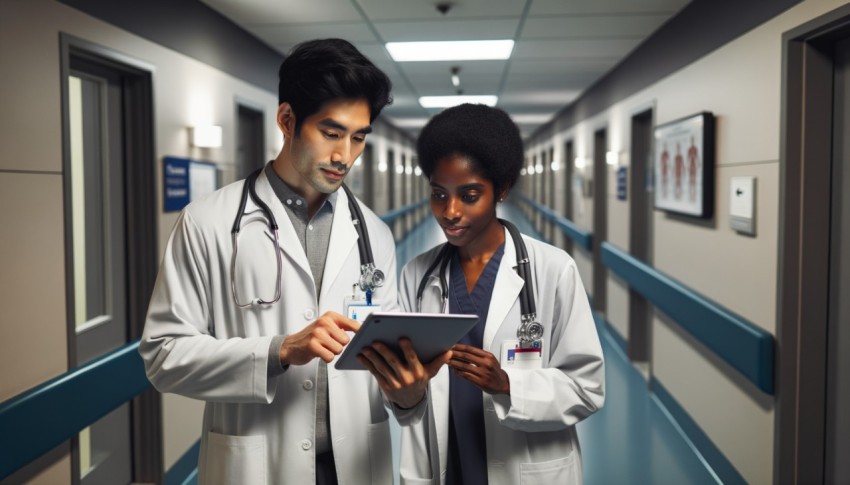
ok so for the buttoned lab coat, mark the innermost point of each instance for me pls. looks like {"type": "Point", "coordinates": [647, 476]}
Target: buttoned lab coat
{"type": "Point", "coordinates": [198, 343]}
{"type": "Point", "coordinates": [530, 435]}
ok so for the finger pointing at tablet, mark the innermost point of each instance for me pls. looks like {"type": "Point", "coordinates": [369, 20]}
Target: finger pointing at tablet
{"type": "Point", "coordinates": [324, 338]}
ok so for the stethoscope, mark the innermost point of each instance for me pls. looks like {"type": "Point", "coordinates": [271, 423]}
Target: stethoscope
{"type": "Point", "coordinates": [370, 276]}
{"type": "Point", "coordinates": [530, 331]}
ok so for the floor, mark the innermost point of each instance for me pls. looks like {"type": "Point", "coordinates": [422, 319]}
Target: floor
{"type": "Point", "coordinates": [632, 439]}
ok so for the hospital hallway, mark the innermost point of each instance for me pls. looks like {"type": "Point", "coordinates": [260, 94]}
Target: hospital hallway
{"type": "Point", "coordinates": [634, 438]}
{"type": "Point", "coordinates": [692, 157]}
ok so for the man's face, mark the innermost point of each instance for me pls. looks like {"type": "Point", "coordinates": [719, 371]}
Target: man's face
{"type": "Point", "coordinates": [328, 143]}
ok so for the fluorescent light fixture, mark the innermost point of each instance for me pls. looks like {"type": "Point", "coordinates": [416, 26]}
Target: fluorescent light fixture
{"type": "Point", "coordinates": [459, 50]}
{"type": "Point", "coordinates": [449, 101]}
{"type": "Point", "coordinates": [206, 136]}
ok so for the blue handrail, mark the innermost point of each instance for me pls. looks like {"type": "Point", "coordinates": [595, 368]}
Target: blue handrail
{"type": "Point", "coordinates": [743, 345]}
{"type": "Point", "coordinates": [36, 421]}
{"type": "Point", "coordinates": [580, 236]}
{"type": "Point", "coordinates": [394, 214]}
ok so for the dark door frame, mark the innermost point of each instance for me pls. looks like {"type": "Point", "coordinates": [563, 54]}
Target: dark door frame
{"type": "Point", "coordinates": [804, 235]}
{"type": "Point", "coordinates": [140, 214]}
{"type": "Point", "coordinates": [600, 218]}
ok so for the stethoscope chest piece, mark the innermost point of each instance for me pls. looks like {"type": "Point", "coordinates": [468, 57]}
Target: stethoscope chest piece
{"type": "Point", "coordinates": [530, 331]}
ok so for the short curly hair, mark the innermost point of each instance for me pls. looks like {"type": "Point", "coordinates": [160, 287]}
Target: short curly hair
{"type": "Point", "coordinates": [486, 135]}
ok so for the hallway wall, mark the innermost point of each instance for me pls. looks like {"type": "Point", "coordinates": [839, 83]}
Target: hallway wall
{"type": "Point", "coordinates": [740, 83]}
{"type": "Point", "coordinates": [33, 337]}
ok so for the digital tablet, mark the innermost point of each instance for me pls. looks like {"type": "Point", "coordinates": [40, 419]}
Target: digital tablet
{"type": "Point", "coordinates": [431, 334]}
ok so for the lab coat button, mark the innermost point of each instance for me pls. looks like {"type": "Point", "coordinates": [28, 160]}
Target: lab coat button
{"type": "Point", "coordinates": [308, 384]}
{"type": "Point", "coordinates": [306, 444]}
{"type": "Point", "coordinates": [309, 314]}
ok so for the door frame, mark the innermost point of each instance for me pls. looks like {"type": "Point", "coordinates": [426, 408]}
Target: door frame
{"type": "Point", "coordinates": [141, 221]}
{"type": "Point", "coordinates": [803, 258]}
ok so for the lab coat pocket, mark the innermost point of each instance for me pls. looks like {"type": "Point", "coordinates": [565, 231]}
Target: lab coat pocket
{"type": "Point", "coordinates": [380, 452]}
{"type": "Point", "coordinates": [563, 470]}
{"type": "Point", "coordinates": [235, 459]}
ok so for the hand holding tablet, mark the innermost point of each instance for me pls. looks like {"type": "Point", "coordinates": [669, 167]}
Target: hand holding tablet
{"type": "Point", "coordinates": [430, 333]}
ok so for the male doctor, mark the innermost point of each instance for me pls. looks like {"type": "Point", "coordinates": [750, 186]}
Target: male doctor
{"type": "Point", "coordinates": [276, 412]}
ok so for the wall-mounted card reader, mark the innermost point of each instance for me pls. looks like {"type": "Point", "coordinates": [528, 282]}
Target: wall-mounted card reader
{"type": "Point", "coordinates": [742, 205]}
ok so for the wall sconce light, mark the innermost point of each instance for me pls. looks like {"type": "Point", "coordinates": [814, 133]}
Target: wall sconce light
{"type": "Point", "coordinates": [612, 158]}
{"type": "Point", "coordinates": [555, 166]}
{"type": "Point", "coordinates": [580, 162]}
{"type": "Point", "coordinates": [206, 136]}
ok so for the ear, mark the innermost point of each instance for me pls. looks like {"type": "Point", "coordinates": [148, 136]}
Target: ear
{"type": "Point", "coordinates": [286, 120]}
{"type": "Point", "coordinates": [503, 195]}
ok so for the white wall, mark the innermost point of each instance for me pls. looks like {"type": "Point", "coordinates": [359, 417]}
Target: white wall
{"type": "Point", "coordinates": [740, 83]}
{"type": "Point", "coordinates": [33, 336]}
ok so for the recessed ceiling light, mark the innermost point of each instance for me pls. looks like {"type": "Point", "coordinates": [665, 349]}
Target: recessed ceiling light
{"type": "Point", "coordinates": [449, 101]}
{"type": "Point", "coordinates": [461, 50]}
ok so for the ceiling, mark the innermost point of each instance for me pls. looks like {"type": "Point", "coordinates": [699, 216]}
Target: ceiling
{"type": "Point", "coordinates": [562, 46]}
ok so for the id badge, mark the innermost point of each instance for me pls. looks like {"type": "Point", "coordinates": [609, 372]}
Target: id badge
{"type": "Point", "coordinates": [357, 309]}
{"type": "Point", "coordinates": [516, 356]}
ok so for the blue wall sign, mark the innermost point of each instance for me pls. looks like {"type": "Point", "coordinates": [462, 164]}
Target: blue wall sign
{"type": "Point", "coordinates": [622, 180]}
{"type": "Point", "coordinates": [175, 177]}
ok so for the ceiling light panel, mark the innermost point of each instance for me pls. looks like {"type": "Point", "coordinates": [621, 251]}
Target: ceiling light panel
{"type": "Point", "coordinates": [449, 101]}
{"type": "Point", "coordinates": [464, 50]}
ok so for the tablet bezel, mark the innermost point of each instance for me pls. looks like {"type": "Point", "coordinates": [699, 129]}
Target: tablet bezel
{"type": "Point", "coordinates": [431, 334]}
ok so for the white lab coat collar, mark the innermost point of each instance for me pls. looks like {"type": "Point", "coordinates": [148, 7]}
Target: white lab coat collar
{"type": "Point", "coordinates": [506, 290]}
{"type": "Point", "coordinates": [343, 236]}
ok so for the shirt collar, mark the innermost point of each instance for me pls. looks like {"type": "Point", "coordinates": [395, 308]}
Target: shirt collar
{"type": "Point", "coordinates": [284, 192]}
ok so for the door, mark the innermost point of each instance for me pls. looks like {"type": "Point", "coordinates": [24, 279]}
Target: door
{"type": "Point", "coordinates": [250, 141]}
{"type": "Point", "coordinates": [600, 218]}
{"type": "Point", "coordinates": [108, 153]}
{"type": "Point", "coordinates": [640, 229]}
{"type": "Point", "coordinates": [569, 189]}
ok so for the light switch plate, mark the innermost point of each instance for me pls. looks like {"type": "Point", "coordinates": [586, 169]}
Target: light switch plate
{"type": "Point", "coordinates": [742, 205]}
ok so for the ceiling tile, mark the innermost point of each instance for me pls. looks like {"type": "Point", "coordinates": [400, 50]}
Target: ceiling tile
{"type": "Point", "coordinates": [445, 29]}
{"type": "Point", "coordinates": [571, 48]}
{"type": "Point", "coordinates": [285, 11]}
{"type": "Point", "coordinates": [378, 10]}
{"type": "Point", "coordinates": [572, 7]}
{"type": "Point", "coordinates": [594, 26]}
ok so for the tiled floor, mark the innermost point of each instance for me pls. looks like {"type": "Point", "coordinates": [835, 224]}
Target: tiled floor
{"type": "Point", "coordinates": [631, 440]}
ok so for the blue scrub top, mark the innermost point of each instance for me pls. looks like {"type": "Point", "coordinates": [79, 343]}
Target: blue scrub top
{"type": "Point", "coordinates": [467, 453]}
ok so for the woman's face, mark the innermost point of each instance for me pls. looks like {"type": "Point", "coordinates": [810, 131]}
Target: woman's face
{"type": "Point", "coordinates": [462, 200]}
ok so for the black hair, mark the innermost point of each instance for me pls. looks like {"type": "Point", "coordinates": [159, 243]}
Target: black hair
{"type": "Point", "coordinates": [322, 70]}
{"type": "Point", "coordinates": [487, 136]}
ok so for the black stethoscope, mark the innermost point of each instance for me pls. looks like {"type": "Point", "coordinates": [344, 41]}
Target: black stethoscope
{"type": "Point", "coordinates": [370, 276]}
{"type": "Point", "coordinates": [530, 330]}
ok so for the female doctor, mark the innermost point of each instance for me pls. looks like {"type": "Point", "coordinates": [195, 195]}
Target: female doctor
{"type": "Point", "coordinates": [504, 409]}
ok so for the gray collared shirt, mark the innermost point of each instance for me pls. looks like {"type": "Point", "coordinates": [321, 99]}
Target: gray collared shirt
{"type": "Point", "coordinates": [314, 235]}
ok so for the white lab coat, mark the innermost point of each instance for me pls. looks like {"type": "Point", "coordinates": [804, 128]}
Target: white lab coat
{"type": "Point", "coordinates": [530, 435]}
{"type": "Point", "coordinates": [198, 343]}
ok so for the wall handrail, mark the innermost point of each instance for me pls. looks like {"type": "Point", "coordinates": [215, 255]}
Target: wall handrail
{"type": "Point", "coordinates": [394, 214]}
{"type": "Point", "coordinates": [580, 236]}
{"type": "Point", "coordinates": [39, 419]}
{"type": "Point", "coordinates": [748, 348]}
